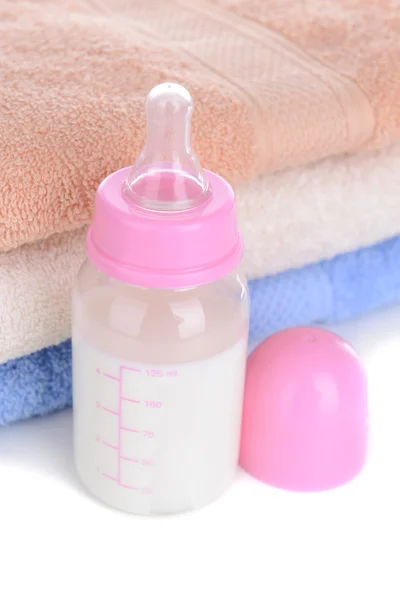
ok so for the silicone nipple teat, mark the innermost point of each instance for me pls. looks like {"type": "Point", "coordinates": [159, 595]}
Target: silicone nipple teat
{"type": "Point", "coordinates": [167, 174]}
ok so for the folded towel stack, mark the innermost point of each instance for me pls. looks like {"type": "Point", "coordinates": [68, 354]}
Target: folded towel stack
{"type": "Point", "coordinates": [287, 108]}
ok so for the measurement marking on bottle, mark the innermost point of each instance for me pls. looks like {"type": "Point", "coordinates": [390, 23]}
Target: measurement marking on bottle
{"type": "Point", "coordinates": [154, 373]}
{"type": "Point", "coordinates": [128, 429]}
{"type": "Point", "coordinates": [131, 430]}
{"type": "Point", "coordinates": [113, 412]}
{"type": "Point", "coordinates": [119, 423]}
{"type": "Point", "coordinates": [149, 373]}
{"type": "Point", "coordinates": [131, 400]}
{"type": "Point", "coordinates": [110, 477]}
{"type": "Point", "coordinates": [147, 434]}
{"type": "Point", "coordinates": [120, 478]}
{"type": "Point", "coordinates": [107, 375]}
{"type": "Point", "coordinates": [114, 377]}
{"type": "Point", "coordinates": [110, 445]}
{"type": "Point", "coordinates": [145, 462]}
{"type": "Point", "coordinates": [160, 373]}
{"type": "Point", "coordinates": [111, 377]}
{"type": "Point", "coordinates": [130, 487]}
{"type": "Point", "coordinates": [145, 490]}
{"type": "Point", "coordinates": [135, 460]}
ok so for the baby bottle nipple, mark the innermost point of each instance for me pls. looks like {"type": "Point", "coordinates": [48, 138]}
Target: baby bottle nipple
{"type": "Point", "coordinates": [167, 175]}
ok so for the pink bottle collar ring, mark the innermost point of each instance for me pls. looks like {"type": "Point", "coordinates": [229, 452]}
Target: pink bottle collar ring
{"type": "Point", "coordinates": [164, 249]}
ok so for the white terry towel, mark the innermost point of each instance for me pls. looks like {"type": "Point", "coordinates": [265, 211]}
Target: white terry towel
{"type": "Point", "coordinates": [305, 215]}
{"type": "Point", "coordinates": [288, 220]}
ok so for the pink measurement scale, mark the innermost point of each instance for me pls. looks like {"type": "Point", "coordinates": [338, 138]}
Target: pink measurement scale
{"type": "Point", "coordinates": [128, 417]}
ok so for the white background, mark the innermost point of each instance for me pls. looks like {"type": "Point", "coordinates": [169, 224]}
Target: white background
{"type": "Point", "coordinates": [256, 542]}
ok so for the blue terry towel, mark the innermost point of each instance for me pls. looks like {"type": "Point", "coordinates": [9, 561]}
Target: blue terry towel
{"type": "Point", "coordinates": [330, 291]}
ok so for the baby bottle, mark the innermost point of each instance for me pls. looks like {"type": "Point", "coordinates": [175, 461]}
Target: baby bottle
{"type": "Point", "coordinates": [160, 326]}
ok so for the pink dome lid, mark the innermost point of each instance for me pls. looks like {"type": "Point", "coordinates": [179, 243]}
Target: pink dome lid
{"type": "Point", "coordinates": [305, 419]}
{"type": "Point", "coordinates": [165, 223]}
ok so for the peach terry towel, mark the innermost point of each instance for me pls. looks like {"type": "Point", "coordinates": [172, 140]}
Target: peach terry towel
{"type": "Point", "coordinates": [276, 84]}
{"type": "Point", "coordinates": [289, 220]}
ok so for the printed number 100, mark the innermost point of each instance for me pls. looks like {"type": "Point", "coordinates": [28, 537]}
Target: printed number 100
{"type": "Point", "coordinates": [153, 404]}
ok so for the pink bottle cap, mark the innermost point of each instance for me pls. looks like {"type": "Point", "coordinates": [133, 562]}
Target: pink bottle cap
{"type": "Point", "coordinates": [305, 420]}
{"type": "Point", "coordinates": [165, 223]}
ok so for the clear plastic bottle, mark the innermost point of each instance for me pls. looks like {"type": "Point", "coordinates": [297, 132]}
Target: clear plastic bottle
{"type": "Point", "coordinates": [160, 326]}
